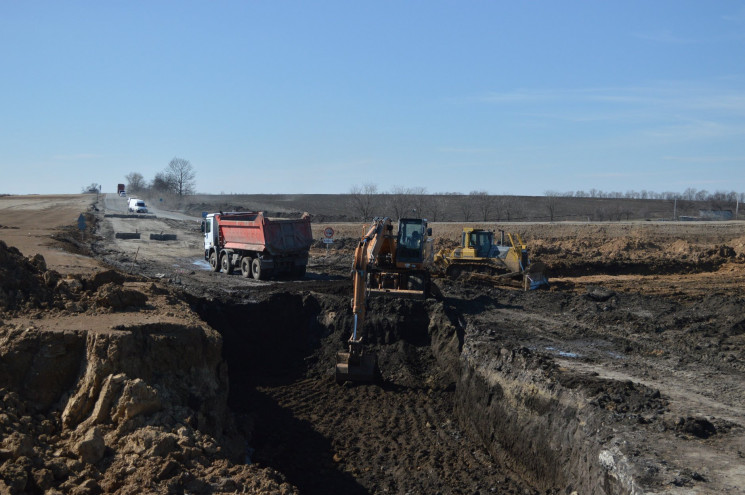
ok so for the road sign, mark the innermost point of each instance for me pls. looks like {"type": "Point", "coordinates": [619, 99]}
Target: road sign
{"type": "Point", "coordinates": [328, 232]}
{"type": "Point", "coordinates": [328, 241]}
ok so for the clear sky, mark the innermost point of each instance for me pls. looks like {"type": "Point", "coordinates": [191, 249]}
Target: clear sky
{"type": "Point", "coordinates": [514, 97]}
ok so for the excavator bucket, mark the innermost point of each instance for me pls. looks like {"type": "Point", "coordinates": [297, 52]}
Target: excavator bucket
{"type": "Point", "coordinates": [356, 368]}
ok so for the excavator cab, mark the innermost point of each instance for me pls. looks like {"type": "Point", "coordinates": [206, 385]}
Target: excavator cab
{"type": "Point", "coordinates": [411, 242]}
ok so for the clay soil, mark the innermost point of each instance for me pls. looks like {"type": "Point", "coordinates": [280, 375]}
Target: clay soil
{"type": "Point", "coordinates": [626, 376]}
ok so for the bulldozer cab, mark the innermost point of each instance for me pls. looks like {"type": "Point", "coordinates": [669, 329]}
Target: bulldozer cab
{"type": "Point", "coordinates": [476, 243]}
{"type": "Point", "coordinates": [480, 241]}
{"type": "Point", "coordinates": [411, 240]}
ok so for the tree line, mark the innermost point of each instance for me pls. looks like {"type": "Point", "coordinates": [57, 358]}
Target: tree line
{"type": "Point", "coordinates": [178, 179]}
{"type": "Point", "coordinates": [366, 200]}
{"type": "Point", "coordinates": [690, 194]}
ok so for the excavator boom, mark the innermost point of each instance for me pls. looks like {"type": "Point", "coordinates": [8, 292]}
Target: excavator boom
{"type": "Point", "coordinates": [356, 365]}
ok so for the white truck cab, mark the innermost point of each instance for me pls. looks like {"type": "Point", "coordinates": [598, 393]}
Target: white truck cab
{"type": "Point", "coordinates": [210, 230]}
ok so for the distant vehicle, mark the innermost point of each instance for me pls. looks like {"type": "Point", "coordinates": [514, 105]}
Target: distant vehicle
{"type": "Point", "coordinates": [120, 190]}
{"type": "Point", "coordinates": [137, 205]}
{"type": "Point", "coordinates": [257, 245]}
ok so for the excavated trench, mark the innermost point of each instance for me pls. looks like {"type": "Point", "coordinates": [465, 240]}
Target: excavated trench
{"type": "Point", "coordinates": [452, 415]}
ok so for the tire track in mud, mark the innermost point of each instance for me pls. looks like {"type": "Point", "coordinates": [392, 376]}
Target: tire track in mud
{"type": "Point", "coordinates": [373, 439]}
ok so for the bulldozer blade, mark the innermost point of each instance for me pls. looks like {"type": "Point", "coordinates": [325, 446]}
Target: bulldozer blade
{"type": "Point", "coordinates": [364, 369]}
{"type": "Point", "coordinates": [535, 278]}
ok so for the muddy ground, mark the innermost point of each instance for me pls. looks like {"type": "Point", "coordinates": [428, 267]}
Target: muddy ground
{"type": "Point", "coordinates": [625, 377]}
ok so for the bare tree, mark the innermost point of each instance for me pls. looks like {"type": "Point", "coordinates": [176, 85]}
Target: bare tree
{"type": "Point", "coordinates": [181, 175]}
{"type": "Point", "coordinates": [419, 201]}
{"type": "Point", "coordinates": [484, 203]}
{"type": "Point", "coordinates": [466, 207]}
{"type": "Point", "coordinates": [551, 202]}
{"type": "Point", "coordinates": [432, 204]}
{"type": "Point", "coordinates": [505, 206]}
{"type": "Point", "coordinates": [163, 183]}
{"type": "Point", "coordinates": [399, 199]}
{"type": "Point", "coordinates": [362, 199]}
{"type": "Point", "coordinates": [135, 182]}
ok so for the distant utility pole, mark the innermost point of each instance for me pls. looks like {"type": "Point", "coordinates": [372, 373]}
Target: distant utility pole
{"type": "Point", "coordinates": [675, 209]}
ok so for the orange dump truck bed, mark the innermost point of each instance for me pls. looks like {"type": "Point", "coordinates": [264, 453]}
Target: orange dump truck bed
{"type": "Point", "coordinates": [255, 232]}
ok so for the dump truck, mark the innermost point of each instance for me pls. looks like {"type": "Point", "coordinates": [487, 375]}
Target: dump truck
{"type": "Point", "coordinates": [120, 190]}
{"type": "Point", "coordinates": [505, 261]}
{"type": "Point", "coordinates": [384, 264]}
{"type": "Point", "coordinates": [256, 244]}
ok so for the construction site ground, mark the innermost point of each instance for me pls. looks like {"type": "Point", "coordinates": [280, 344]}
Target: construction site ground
{"type": "Point", "coordinates": [626, 376]}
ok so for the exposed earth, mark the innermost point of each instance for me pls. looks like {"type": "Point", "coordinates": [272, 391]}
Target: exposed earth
{"type": "Point", "coordinates": [126, 366]}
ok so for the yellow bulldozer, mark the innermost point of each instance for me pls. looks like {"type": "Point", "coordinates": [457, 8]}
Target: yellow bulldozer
{"type": "Point", "coordinates": [505, 261]}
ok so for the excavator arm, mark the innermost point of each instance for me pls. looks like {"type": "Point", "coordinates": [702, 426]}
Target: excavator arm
{"type": "Point", "coordinates": [365, 256]}
{"type": "Point", "coordinates": [356, 365]}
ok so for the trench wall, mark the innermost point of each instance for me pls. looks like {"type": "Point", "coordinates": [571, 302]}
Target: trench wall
{"type": "Point", "coordinates": [541, 430]}
{"type": "Point", "coordinates": [68, 370]}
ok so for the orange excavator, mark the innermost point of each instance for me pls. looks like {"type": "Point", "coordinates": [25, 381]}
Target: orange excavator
{"type": "Point", "coordinates": [384, 264]}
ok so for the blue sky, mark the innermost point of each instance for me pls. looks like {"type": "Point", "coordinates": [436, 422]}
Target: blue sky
{"type": "Point", "coordinates": [318, 96]}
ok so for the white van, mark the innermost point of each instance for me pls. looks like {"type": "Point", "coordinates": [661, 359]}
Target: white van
{"type": "Point", "coordinates": [137, 205]}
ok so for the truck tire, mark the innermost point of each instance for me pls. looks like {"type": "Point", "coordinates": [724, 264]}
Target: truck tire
{"type": "Point", "coordinates": [246, 267]}
{"type": "Point", "coordinates": [258, 273]}
{"type": "Point", "coordinates": [214, 265]}
{"type": "Point", "coordinates": [225, 263]}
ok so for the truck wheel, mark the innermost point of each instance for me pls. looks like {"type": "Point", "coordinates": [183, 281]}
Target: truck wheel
{"type": "Point", "coordinates": [227, 266]}
{"type": "Point", "coordinates": [246, 267]}
{"type": "Point", "coordinates": [256, 269]}
{"type": "Point", "coordinates": [214, 265]}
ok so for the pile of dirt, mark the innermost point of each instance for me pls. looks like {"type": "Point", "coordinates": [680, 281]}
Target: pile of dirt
{"type": "Point", "coordinates": [27, 285]}
{"type": "Point", "coordinates": [111, 384]}
{"type": "Point", "coordinates": [617, 256]}
{"type": "Point", "coordinates": [24, 282]}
